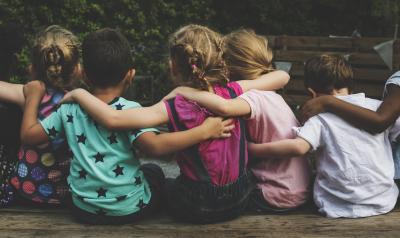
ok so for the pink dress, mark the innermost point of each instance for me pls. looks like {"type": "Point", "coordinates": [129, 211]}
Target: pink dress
{"type": "Point", "coordinates": [284, 182]}
{"type": "Point", "coordinates": [221, 157]}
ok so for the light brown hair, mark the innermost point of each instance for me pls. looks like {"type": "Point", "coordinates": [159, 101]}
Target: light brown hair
{"type": "Point", "coordinates": [197, 54]}
{"type": "Point", "coordinates": [55, 56]}
{"type": "Point", "coordinates": [325, 73]}
{"type": "Point", "coordinates": [247, 55]}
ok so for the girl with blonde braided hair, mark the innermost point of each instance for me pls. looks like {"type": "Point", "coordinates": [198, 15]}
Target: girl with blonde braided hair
{"type": "Point", "coordinates": [282, 183]}
{"type": "Point", "coordinates": [214, 183]}
{"type": "Point", "coordinates": [41, 172]}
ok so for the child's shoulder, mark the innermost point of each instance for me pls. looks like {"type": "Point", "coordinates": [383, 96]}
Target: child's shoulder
{"type": "Point", "coordinates": [120, 103]}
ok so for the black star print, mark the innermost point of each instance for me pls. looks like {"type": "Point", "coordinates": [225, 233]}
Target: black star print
{"type": "Point", "coordinates": [70, 118]}
{"type": "Point", "coordinates": [101, 212]}
{"type": "Point", "coordinates": [138, 180]}
{"type": "Point", "coordinates": [101, 192]}
{"type": "Point", "coordinates": [136, 132]}
{"type": "Point", "coordinates": [82, 174]}
{"type": "Point", "coordinates": [52, 131]}
{"type": "Point", "coordinates": [112, 138]}
{"type": "Point", "coordinates": [81, 138]}
{"type": "Point", "coordinates": [118, 171]}
{"type": "Point", "coordinates": [141, 204]}
{"type": "Point", "coordinates": [119, 106]}
{"type": "Point", "coordinates": [80, 198]}
{"type": "Point", "coordinates": [120, 198]}
{"type": "Point", "coordinates": [99, 157]}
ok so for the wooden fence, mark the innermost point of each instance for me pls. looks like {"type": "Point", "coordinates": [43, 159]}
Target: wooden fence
{"type": "Point", "coordinates": [370, 71]}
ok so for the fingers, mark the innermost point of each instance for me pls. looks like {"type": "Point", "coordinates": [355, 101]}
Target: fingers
{"type": "Point", "coordinates": [225, 135]}
{"type": "Point", "coordinates": [228, 128]}
{"type": "Point", "coordinates": [227, 122]}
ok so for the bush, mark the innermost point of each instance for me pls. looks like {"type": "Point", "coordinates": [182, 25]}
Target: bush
{"type": "Point", "coordinates": [147, 23]}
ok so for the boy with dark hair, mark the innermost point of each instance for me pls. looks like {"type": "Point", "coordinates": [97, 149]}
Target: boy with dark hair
{"type": "Point", "coordinates": [354, 168]}
{"type": "Point", "coordinates": [107, 183]}
{"type": "Point", "coordinates": [11, 40]}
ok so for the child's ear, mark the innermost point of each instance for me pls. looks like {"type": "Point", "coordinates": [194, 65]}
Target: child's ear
{"type": "Point", "coordinates": [131, 75]}
{"type": "Point", "coordinates": [312, 93]}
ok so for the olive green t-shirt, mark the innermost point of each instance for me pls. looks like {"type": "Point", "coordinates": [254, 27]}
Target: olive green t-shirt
{"type": "Point", "coordinates": [104, 177]}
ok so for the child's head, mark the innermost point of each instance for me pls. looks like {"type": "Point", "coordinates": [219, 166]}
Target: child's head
{"type": "Point", "coordinates": [107, 57]}
{"type": "Point", "coordinates": [196, 57]}
{"type": "Point", "coordinates": [247, 55]}
{"type": "Point", "coordinates": [11, 40]}
{"type": "Point", "coordinates": [55, 57]}
{"type": "Point", "coordinates": [326, 73]}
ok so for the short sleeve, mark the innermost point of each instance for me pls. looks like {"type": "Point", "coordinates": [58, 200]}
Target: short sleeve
{"type": "Point", "coordinates": [252, 98]}
{"type": "Point", "coordinates": [134, 134]}
{"type": "Point", "coordinates": [53, 125]}
{"type": "Point", "coordinates": [312, 132]}
{"type": "Point", "coordinates": [394, 79]}
{"type": "Point", "coordinates": [394, 131]}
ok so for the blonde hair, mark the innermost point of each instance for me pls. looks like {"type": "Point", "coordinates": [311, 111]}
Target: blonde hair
{"type": "Point", "coordinates": [55, 55]}
{"type": "Point", "coordinates": [197, 53]}
{"type": "Point", "coordinates": [247, 55]}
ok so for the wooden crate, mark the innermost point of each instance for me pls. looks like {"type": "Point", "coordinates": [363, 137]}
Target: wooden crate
{"type": "Point", "coordinates": [370, 71]}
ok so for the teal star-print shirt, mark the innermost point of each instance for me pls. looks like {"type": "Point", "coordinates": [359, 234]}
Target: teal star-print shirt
{"type": "Point", "coordinates": [104, 178]}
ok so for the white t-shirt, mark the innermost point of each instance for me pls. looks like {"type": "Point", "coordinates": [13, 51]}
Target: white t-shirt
{"type": "Point", "coordinates": [394, 79]}
{"type": "Point", "coordinates": [354, 168]}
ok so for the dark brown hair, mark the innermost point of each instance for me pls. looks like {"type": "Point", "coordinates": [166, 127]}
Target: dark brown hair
{"type": "Point", "coordinates": [328, 72]}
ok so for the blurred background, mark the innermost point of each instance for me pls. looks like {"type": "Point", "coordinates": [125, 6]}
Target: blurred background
{"type": "Point", "coordinates": [148, 23]}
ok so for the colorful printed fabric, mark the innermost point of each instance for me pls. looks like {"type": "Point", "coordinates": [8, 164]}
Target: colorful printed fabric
{"type": "Point", "coordinates": [42, 171]}
{"type": "Point", "coordinates": [10, 121]}
{"type": "Point", "coordinates": [105, 178]}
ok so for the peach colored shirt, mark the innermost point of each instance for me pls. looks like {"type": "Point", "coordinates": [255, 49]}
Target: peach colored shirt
{"type": "Point", "coordinates": [285, 182]}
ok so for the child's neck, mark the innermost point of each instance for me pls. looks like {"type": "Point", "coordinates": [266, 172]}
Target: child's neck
{"type": "Point", "coordinates": [107, 94]}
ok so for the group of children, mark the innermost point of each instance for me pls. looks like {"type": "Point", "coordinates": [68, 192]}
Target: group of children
{"type": "Point", "coordinates": [82, 153]}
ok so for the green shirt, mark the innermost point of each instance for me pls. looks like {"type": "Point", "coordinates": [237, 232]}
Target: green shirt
{"type": "Point", "coordinates": [104, 177]}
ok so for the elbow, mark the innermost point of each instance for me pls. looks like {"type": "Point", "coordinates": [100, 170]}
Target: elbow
{"type": "Point", "coordinates": [299, 150]}
{"type": "Point", "coordinates": [378, 127]}
{"type": "Point", "coordinates": [111, 122]}
{"type": "Point", "coordinates": [223, 110]}
{"type": "Point", "coordinates": [26, 138]}
{"type": "Point", "coordinates": [285, 78]}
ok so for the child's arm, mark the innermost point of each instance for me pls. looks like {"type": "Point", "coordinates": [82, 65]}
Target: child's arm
{"type": "Point", "coordinates": [218, 105]}
{"type": "Point", "coordinates": [12, 93]}
{"type": "Point", "coordinates": [267, 82]}
{"type": "Point", "coordinates": [373, 122]}
{"type": "Point", "coordinates": [118, 119]}
{"type": "Point", "coordinates": [32, 132]}
{"type": "Point", "coordinates": [161, 144]}
{"type": "Point", "coordinates": [280, 149]}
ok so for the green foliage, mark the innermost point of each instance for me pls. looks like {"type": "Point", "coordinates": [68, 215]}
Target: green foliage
{"type": "Point", "coordinates": [148, 23]}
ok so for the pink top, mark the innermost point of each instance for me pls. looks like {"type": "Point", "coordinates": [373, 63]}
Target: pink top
{"type": "Point", "coordinates": [220, 157]}
{"type": "Point", "coordinates": [285, 182]}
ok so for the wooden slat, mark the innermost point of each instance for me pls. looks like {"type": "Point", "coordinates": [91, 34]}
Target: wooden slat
{"type": "Point", "coordinates": [303, 56]}
{"type": "Point", "coordinates": [363, 74]}
{"type": "Point", "coordinates": [318, 43]}
{"type": "Point", "coordinates": [305, 223]}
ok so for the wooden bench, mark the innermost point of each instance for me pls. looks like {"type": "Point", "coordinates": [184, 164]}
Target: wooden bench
{"type": "Point", "coordinates": [306, 222]}
{"type": "Point", "coordinates": [370, 71]}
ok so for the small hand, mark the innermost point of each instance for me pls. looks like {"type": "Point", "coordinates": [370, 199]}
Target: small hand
{"type": "Point", "coordinates": [217, 127]}
{"type": "Point", "coordinates": [315, 106]}
{"type": "Point", "coordinates": [69, 97]}
{"type": "Point", "coordinates": [179, 90]}
{"type": "Point", "coordinates": [34, 89]}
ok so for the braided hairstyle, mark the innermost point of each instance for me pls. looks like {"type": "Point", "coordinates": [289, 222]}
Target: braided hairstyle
{"type": "Point", "coordinates": [197, 53]}
{"type": "Point", "coordinates": [247, 55]}
{"type": "Point", "coordinates": [54, 57]}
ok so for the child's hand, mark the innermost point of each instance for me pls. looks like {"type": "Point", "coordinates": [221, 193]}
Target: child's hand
{"type": "Point", "coordinates": [217, 127]}
{"type": "Point", "coordinates": [34, 89]}
{"type": "Point", "coordinates": [180, 90]}
{"type": "Point", "coordinates": [69, 97]}
{"type": "Point", "coordinates": [315, 106]}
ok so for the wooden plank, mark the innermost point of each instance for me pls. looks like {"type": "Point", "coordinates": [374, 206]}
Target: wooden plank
{"type": "Point", "coordinates": [362, 74]}
{"type": "Point", "coordinates": [355, 58]}
{"type": "Point", "coordinates": [298, 224]}
{"type": "Point", "coordinates": [335, 44]}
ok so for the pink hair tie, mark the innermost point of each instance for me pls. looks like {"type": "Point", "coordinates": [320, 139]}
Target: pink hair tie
{"type": "Point", "coordinates": [193, 66]}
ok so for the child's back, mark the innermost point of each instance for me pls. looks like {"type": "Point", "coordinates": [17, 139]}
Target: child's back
{"type": "Point", "coordinates": [42, 170]}
{"type": "Point", "coordinates": [355, 169]}
{"type": "Point", "coordinates": [104, 176]}
{"type": "Point", "coordinates": [283, 182]}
